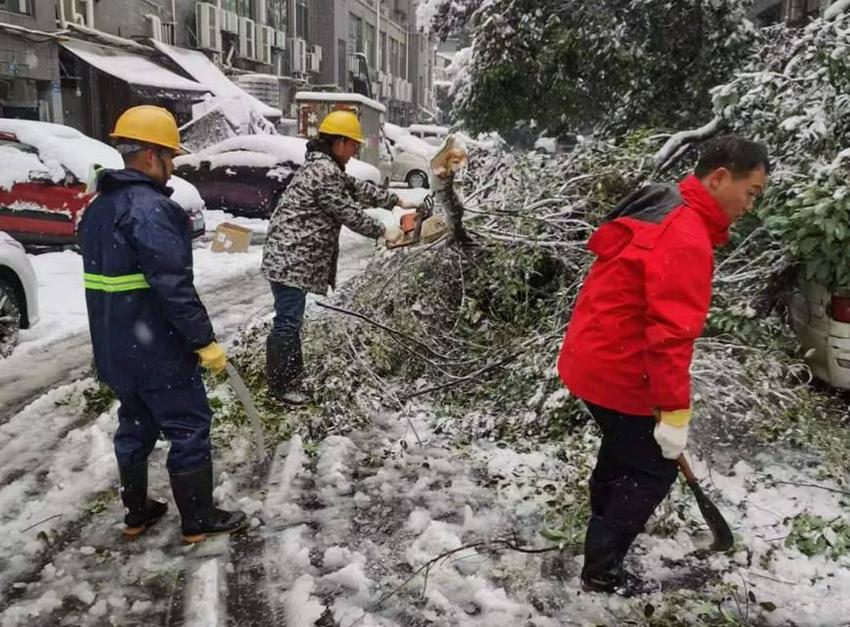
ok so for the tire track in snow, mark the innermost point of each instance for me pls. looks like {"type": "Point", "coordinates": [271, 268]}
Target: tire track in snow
{"type": "Point", "coordinates": [25, 378]}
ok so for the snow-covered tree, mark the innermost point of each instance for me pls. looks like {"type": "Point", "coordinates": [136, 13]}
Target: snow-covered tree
{"type": "Point", "coordinates": [572, 64]}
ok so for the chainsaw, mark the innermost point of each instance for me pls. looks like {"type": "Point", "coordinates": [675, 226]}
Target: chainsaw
{"type": "Point", "coordinates": [420, 225]}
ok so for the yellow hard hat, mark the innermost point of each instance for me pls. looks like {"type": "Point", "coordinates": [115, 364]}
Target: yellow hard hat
{"type": "Point", "coordinates": [343, 123]}
{"type": "Point", "coordinates": [148, 124]}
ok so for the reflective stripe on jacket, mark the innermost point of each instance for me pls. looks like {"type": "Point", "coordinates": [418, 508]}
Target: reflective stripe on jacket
{"type": "Point", "coordinates": [145, 317]}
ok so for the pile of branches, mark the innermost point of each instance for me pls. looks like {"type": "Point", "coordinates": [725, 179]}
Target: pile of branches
{"type": "Point", "coordinates": [470, 334]}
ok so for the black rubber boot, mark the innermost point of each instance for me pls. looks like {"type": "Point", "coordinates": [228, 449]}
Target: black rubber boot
{"type": "Point", "coordinates": [284, 363]}
{"type": "Point", "coordinates": [605, 548]}
{"type": "Point", "coordinates": [200, 518]}
{"type": "Point", "coordinates": [141, 512]}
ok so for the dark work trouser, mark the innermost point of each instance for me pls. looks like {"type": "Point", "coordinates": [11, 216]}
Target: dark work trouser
{"type": "Point", "coordinates": [284, 362]}
{"type": "Point", "coordinates": [181, 413]}
{"type": "Point", "coordinates": [630, 479]}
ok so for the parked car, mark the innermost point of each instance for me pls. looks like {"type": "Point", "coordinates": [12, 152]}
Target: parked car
{"type": "Point", "coordinates": [821, 320]}
{"type": "Point", "coordinates": [244, 175]}
{"type": "Point", "coordinates": [18, 293]}
{"type": "Point", "coordinates": [43, 181]}
{"type": "Point", "coordinates": [431, 133]}
{"type": "Point", "coordinates": [405, 158]}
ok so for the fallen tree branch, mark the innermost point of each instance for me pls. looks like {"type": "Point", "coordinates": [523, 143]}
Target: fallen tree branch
{"type": "Point", "coordinates": [390, 330]}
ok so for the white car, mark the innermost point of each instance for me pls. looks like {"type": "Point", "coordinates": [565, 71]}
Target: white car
{"type": "Point", "coordinates": [405, 158]}
{"type": "Point", "coordinates": [18, 293]}
{"type": "Point", "coordinates": [821, 320]}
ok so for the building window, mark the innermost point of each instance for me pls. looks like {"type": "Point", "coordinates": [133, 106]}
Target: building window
{"type": "Point", "coordinates": [242, 8]}
{"type": "Point", "coordinates": [403, 61]}
{"type": "Point", "coordinates": [394, 49]}
{"type": "Point", "coordinates": [369, 42]}
{"type": "Point", "coordinates": [383, 52]}
{"type": "Point", "coordinates": [302, 19]}
{"type": "Point", "coordinates": [276, 14]}
{"type": "Point", "coordinates": [16, 6]}
{"type": "Point", "coordinates": [355, 32]}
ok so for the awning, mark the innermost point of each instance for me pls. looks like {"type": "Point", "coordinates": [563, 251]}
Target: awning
{"type": "Point", "coordinates": [198, 66]}
{"type": "Point", "coordinates": [131, 68]}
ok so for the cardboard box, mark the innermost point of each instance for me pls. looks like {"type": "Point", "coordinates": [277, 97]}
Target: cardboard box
{"type": "Point", "coordinates": [231, 238]}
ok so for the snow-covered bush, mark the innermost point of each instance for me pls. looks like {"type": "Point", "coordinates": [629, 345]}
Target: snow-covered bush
{"type": "Point", "coordinates": [570, 65]}
{"type": "Point", "coordinates": [795, 96]}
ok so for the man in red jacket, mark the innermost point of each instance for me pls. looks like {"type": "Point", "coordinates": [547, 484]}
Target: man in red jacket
{"type": "Point", "coordinates": [627, 351]}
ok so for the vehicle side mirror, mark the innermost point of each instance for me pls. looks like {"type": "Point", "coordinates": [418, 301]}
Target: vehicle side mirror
{"type": "Point", "coordinates": [204, 166]}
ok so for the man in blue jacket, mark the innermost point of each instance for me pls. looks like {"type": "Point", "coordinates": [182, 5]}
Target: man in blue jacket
{"type": "Point", "coordinates": [149, 329]}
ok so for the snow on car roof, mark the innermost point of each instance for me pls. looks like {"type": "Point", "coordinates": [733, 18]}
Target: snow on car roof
{"type": "Point", "coordinates": [185, 194]}
{"type": "Point", "coordinates": [408, 143]}
{"type": "Point", "coordinates": [266, 151]}
{"type": "Point", "coordinates": [131, 68]}
{"type": "Point", "coordinates": [58, 146]}
{"type": "Point", "coordinates": [199, 67]}
{"type": "Point", "coordinates": [17, 166]}
{"type": "Point", "coordinates": [429, 128]}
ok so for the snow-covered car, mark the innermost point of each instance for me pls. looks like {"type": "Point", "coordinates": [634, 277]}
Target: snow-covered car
{"type": "Point", "coordinates": [405, 157]}
{"type": "Point", "coordinates": [821, 319]}
{"type": "Point", "coordinates": [244, 175]}
{"type": "Point", "coordinates": [431, 133]}
{"type": "Point", "coordinates": [18, 293]}
{"type": "Point", "coordinates": [46, 168]}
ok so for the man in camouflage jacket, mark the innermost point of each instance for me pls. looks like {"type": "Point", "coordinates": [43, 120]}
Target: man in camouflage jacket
{"type": "Point", "coordinates": [302, 246]}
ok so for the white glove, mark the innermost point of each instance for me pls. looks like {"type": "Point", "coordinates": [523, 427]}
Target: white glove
{"type": "Point", "coordinates": [672, 440]}
{"type": "Point", "coordinates": [393, 235]}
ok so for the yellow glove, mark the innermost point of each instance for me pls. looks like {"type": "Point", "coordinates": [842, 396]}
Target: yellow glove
{"type": "Point", "coordinates": [678, 418]}
{"type": "Point", "coordinates": [212, 357]}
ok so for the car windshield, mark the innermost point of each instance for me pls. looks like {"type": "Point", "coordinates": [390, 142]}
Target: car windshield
{"type": "Point", "coordinates": [8, 143]}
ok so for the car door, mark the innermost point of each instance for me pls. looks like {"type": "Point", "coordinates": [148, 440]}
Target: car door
{"type": "Point", "coordinates": [40, 210]}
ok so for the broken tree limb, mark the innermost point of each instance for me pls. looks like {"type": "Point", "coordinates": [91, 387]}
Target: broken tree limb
{"type": "Point", "coordinates": [835, 9]}
{"type": "Point", "coordinates": [682, 140]}
{"type": "Point", "coordinates": [389, 330]}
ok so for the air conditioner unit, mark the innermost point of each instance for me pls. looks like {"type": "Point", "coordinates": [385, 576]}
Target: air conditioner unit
{"type": "Point", "coordinates": [247, 38]}
{"type": "Point", "coordinates": [208, 23]}
{"type": "Point", "coordinates": [314, 61]}
{"type": "Point", "coordinates": [279, 40]}
{"type": "Point", "coordinates": [265, 36]}
{"type": "Point", "coordinates": [153, 27]}
{"type": "Point", "coordinates": [230, 22]}
{"type": "Point", "coordinates": [299, 56]}
{"type": "Point", "coordinates": [280, 65]}
{"type": "Point", "coordinates": [77, 12]}
{"type": "Point", "coordinates": [316, 51]}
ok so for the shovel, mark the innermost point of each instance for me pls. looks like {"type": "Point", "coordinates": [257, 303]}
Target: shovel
{"type": "Point", "coordinates": [244, 396]}
{"type": "Point", "coordinates": [723, 539]}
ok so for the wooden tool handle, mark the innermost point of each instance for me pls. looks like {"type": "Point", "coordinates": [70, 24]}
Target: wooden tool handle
{"type": "Point", "coordinates": [685, 467]}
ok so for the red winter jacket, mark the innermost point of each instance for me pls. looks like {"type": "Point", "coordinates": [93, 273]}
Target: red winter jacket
{"type": "Point", "coordinates": [630, 341]}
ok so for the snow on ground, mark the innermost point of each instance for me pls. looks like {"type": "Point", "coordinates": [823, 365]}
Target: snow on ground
{"type": "Point", "coordinates": [338, 530]}
{"type": "Point", "coordinates": [62, 301]}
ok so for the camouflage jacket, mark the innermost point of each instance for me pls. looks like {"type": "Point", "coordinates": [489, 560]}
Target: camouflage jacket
{"type": "Point", "coordinates": [302, 246]}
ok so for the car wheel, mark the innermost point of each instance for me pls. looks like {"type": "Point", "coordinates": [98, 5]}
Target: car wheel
{"type": "Point", "coordinates": [10, 318]}
{"type": "Point", "coordinates": [417, 178]}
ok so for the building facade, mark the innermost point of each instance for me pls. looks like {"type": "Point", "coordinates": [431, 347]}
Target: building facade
{"type": "Point", "coordinates": [370, 47]}
{"type": "Point", "coordinates": [794, 12]}
{"type": "Point", "coordinates": [29, 64]}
